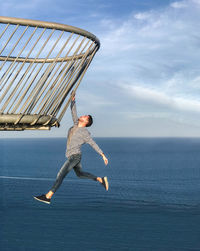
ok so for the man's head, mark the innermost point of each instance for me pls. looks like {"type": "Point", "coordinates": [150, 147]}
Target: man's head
{"type": "Point", "coordinates": [86, 120]}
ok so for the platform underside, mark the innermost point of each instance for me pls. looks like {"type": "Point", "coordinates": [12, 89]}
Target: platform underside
{"type": "Point", "coordinates": [20, 122]}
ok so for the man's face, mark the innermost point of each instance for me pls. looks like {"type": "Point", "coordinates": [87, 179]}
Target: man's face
{"type": "Point", "coordinates": [84, 119]}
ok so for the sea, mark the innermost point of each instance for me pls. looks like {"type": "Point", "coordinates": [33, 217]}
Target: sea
{"type": "Point", "coordinates": [153, 202]}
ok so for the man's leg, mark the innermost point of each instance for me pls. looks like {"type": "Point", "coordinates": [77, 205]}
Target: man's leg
{"type": "Point", "coordinates": [85, 175]}
{"type": "Point", "coordinates": [65, 169]}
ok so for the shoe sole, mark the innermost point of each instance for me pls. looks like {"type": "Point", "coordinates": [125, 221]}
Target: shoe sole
{"type": "Point", "coordinates": [106, 183]}
{"type": "Point", "coordinates": [42, 200]}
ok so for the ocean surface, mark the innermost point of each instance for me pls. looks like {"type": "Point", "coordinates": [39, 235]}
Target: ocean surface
{"type": "Point", "coordinates": [153, 202]}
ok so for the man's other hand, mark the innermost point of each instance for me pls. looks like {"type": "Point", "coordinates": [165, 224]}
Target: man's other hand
{"type": "Point", "coordinates": [105, 159]}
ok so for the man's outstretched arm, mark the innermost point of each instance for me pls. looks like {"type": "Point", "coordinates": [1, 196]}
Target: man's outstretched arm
{"type": "Point", "coordinates": [94, 145]}
{"type": "Point", "coordinates": [73, 110]}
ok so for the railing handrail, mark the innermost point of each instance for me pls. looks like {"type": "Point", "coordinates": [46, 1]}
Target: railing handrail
{"type": "Point", "coordinates": [50, 25]}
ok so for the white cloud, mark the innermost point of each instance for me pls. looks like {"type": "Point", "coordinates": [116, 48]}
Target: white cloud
{"type": "Point", "coordinates": [160, 50]}
{"type": "Point", "coordinates": [148, 94]}
{"type": "Point", "coordinates": [161, 99]}
{"type": "Point", "coordinates": [196, 1]}
{"type": "Point", "coordinates": [90, 98]}
{"type": "Point", "coordinates": [144, 115]}
{"type": "Point", "coordinates": [179, 5]}
{"type": "Point", "coordinates": [142, 16]}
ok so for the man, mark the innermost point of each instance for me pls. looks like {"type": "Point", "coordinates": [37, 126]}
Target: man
{"type": "Point", "coordinates": [77, 136]}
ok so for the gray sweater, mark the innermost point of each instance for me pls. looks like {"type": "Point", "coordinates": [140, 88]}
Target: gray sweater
{"type": "Point", "coordinates": [77, 136]}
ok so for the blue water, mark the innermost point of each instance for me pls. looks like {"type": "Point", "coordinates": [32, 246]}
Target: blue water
{"type": "Point", "coordinates": [153, 202]}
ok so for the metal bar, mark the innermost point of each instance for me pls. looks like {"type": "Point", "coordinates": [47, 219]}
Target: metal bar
{"type": "Point", "coordinates": [54, 109]}
{"type": "Point", "coordinates": [3, 63]}
{"type": "Point", "coordinates": [48, 94]}
{"type": "Point", "coordinates": [34, 77]}
{"type": "Point", "coordinates": [4, 30]}
{"type": "Point", "coordinates": [40, 60]}
{"type": "Point", "coordinates": [23, 127]}
{"type": "Point", "coordinates": [53, 89]}
{"type": "Point", "coordinates": [56, 80]}
{"type": "Point", "coordinates": [16, 58]}
{"type": "Point", "coordinates": [60, 81]}
{"type": "Point", "coordinates": [53, 75]}
{"type": "Point", "coordinates": [3, 73]}
{"type": "Point", "coordinates": [14, 92]}
{"type": "Point", "coordinates": [49, 25]}
{"type": "Point", "coordinates": [42, 80]}
{"type": "Point", "coordinates": [26, 72]}
{"type": "Point", "coordinates": [8, 76]}
{"type": "Point", "coordinates": [17, 73]}
{"type": "Point", "coordinates": [41, 83]}
{"type": "Point", "coordinates": [77, 85]}
{"type": "Point", "coordinates": [63, 84]}
{"type": "Point", "coordinates": [15, 45]}
{"type": "Point", "coordinates": [8, 87]}
{"type": "Point", "coordinates": [31, 96]}
{"type": "Point", "coordinates": [9, 38]}
{"type": "Point", "coordinates": [67, 70]}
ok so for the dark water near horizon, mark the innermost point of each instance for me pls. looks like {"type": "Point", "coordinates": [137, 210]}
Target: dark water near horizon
{"type": "Point", "coordinates": [153, 202]}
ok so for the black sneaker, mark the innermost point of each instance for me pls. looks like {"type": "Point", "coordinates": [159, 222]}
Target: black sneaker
{"type": "Point", "coordinates": [43, 198]}
{"type": "Point", "coordinates": [105, 183]}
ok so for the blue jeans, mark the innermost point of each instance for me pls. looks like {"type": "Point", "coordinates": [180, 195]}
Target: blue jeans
{"type": "Point", "coordinates": [74, 162]}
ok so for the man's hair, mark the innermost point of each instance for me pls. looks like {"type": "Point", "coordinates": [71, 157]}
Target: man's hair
{"type": "Point", "coordinates": [90, 121]}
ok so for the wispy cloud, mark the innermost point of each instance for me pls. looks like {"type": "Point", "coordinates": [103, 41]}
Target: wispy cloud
{"type": "Point", "coordinates": [89, 98]}
{"type": "Point", "coordinates": [161, 99]}
{"type": "Point", "coordinates": [159, 49]}
{"type": "Point", "coordinates": [179, 5]}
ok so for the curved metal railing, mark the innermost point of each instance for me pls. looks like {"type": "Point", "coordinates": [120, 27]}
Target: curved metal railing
{"type": "Point", "coordinates": [40, 64]}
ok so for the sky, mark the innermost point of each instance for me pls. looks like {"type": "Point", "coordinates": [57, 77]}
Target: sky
{"type": "Point", "coordinates": [145, 79]}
